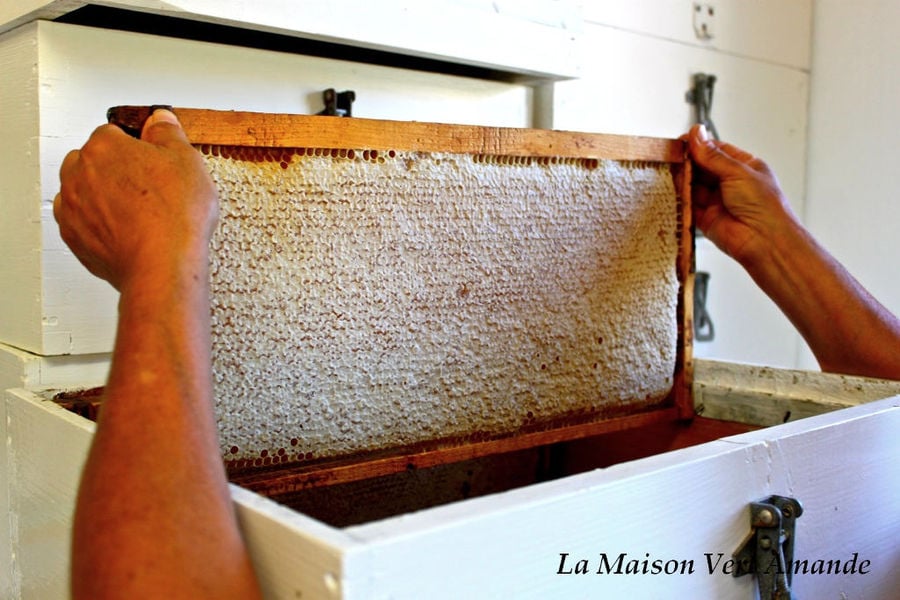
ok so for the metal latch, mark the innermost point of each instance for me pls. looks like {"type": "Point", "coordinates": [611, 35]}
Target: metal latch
{"type": "Point", "coordinates": [768, 550]}
{"type": "Point", "coordinates": [338, 104]}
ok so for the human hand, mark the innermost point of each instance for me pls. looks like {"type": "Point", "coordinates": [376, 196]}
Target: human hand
{"type": "Point", "coordinates": [737, 201]}
{"type": "Point", "coordinates": [131, 207]}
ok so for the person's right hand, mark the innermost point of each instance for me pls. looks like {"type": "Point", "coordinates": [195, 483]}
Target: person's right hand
{"type": "Point", "coordinates": [139, 209]}
{"type": "Point", "coordinates": [737, 201]}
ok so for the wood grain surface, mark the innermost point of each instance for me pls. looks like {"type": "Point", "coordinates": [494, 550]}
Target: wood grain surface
{"type": "Point", "coordinates": [269, 130]}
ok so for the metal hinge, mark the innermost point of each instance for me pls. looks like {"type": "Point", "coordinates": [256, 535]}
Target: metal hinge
{"type": "Point", "coordinates": [768, 550]}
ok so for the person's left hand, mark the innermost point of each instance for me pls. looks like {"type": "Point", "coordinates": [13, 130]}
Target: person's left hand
{"type": "Point", "coordinates": [130, 207]}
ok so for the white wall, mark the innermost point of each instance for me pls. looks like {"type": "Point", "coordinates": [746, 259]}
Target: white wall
{"type": "Point", "coordinates": [638, 60]}
{"type": "Point", "coordinates": [854, 138]}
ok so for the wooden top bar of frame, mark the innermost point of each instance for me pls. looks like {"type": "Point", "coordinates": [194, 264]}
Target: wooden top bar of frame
{"type": "Point", "coordinates": [269, 130]}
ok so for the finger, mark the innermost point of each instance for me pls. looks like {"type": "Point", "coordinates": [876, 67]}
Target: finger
{"type": "Point", "coordinates": [106, 130]}
{"type": "Point", "coordinates": [710, 157]}
{"type": "Point", "coordinates": [163, 129]}
{"type": "Point", "coordinates": [57, 207]}
{"type": "Point", "coordinates": [704, 194]}
{"type": "Point", "coordinates": [68, 163]}
{"type": "Point", "coordinates": [736, 153]}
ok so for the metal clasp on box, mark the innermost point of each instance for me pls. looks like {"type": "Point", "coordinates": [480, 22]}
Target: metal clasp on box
{"type": "Point", "coordinates": [768, 550]}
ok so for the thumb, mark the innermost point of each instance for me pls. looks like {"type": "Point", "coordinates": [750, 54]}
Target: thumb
{"type": "Point", "coordinates": [163, 128]}
{"type": "Point", "coordinates": [707, 154]}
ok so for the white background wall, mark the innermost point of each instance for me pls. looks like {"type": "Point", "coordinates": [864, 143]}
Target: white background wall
{"type": "Point", "coordinates": [854, 137]}
{"type": "Point", "coordinates": [812, 86]}
{"type": "Point", "coordinates": [639, 59]}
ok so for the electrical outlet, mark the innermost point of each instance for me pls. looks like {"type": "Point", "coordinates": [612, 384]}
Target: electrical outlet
{"type": "Point", "coordinates": [704, 20]}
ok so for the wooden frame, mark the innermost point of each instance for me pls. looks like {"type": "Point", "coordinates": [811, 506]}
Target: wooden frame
{"type": "Point", "coordinates": [210, 128]}
{"type": "Point", "coordinates": [267, 130]}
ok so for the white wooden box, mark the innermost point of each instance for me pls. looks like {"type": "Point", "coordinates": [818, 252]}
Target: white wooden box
{"type": "Point", "coordinates": [682, 505]}
{"type": "Point", "coordinates": [60, 79]}
{"type": "Point", "coordinates": [535, 40]}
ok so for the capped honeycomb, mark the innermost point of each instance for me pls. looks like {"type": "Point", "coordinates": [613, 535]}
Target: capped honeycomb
{"type": "Point", "coordinates": [366, 300]}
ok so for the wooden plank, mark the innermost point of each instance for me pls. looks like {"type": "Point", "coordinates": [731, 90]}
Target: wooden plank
{"type": "Point", "coordinates": [20, 369]}
{"type": "Point", "coordinates": [288, 481]}
{"type": "Point", "coordinates": [540, 43]}
{"type": "Point", "coordinates": [20, 202]}
{"type": "Point", "coordinates": [765, 396]}
{"type": "Point", "coordinates": [236, 128]}
{"type": "Point", "coordinates": [684, 369]}
{"type": "Point", "coordinates": [43, 482]}
{"type": "Point", "coordinates": [20, 12]}
{"type": "Point", "coordinates": [294, 555]}
{"type": "Point", "coordinates": [511, 41]}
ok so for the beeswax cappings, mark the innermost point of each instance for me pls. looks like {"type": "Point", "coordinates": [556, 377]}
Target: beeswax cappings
{"type": "Point", "coordinates": [364, 300]}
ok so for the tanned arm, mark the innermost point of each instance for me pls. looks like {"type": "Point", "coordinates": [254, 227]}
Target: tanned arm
{"type": "Point", "coordinates": [154, 517]}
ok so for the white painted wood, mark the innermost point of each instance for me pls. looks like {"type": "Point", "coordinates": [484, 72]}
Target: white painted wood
{"type": "Point", "coordinates": [774, 31]}
{"type": "Point", "coordinates": [292, 553]}
{"type": "Point", "coordinates": [678, 505]}
{"type": "Point", "coordinates": [57, 307]}
{"type": "Point", "coordinates": [42, 483]}
{"type": "Point", "coordinates": [20, 227]}
{"type": "Point", "coordinates": [18, 12]}
{"type": "Point", "coordinates": [534, 38]}
{"type": "Point", "coordinates": [765, 396]}
{"type": "Point", "coordinates": [20, 369]}
{"type": "Point", "coordinates": [636, 84]}
{"type": "Point", "coordinates": [294, 556]}
{"type": "Point", "coordinates": [853, 177]}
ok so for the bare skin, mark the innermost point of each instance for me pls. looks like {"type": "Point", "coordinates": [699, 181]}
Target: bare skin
{"type": "Point", "coordinates": [154, 517]}
{"type": "Point", "coordinates": [740, 207]}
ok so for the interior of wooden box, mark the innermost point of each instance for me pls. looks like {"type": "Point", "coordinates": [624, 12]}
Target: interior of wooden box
{"type": "Point", "coordinates": [357, 492]}
{"type": "Point", "coordinates": [366, 483]}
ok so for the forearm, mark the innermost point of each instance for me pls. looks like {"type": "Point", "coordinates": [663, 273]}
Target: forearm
{"type": "Point", "coordinates": [845, 327]}
{"type": "Point", "coordinates": [155, 480]}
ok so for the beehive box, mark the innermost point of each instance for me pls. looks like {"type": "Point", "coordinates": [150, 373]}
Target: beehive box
{"type": "Point", "coordinates": [480, 472]}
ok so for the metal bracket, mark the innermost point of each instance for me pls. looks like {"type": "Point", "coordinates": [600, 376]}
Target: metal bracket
{"type": "Point", "coordinates": [338, 104]}
{"type": "Point", "coordinates": [704, 331]}
{"type": "Point", "coordinates": [768, 550]}
{"type": "Point", "coordinates": [701, 96]}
